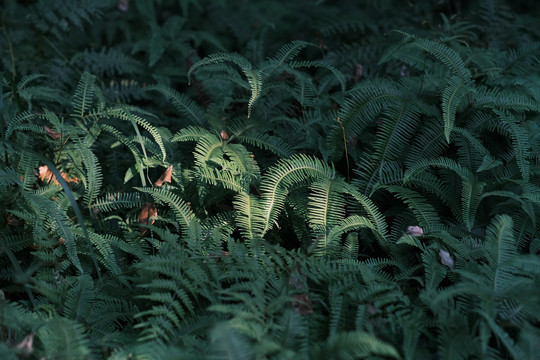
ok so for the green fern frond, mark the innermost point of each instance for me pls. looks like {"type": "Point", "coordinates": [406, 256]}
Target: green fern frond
{"type": "Point", "coordinates": [443, 53]}
{"type": "Point", "coordinates": [255, 82]}
{"type": "Point", "coordinates": [79, 298]}
{"type": "Point", "coordinates": [268, 142]}
{"type": "Point", "coordinates": [106, 62]}
{"type": "Point", "coordinates": [58, 222]}
{"type": "Point", "coordinates": [227, 179]}
{"type": "Point", "coordinates": [400, 122]}
{"type": "Point", "coordinates": [452, 96]}
{"type": "Point", "coordinates": [520, 60]}
{"type": "Point", "coordinates": [249, 215]}
{"type": "Point", "coordinates": [20, 121]}
{"type": "Point", "coordinates": [504, 337]}
{"type": "Point", "coordinates": [190, 133]}
{"type": "Point", "coordinates": [289, 51]}
{"type": "Point", "coordinates": [471, 188]}
{"type": "Point", "coordinates": [320, 64]}
{"type": "Point", "coordinates": [94, 177]}
{"type": "Point", "coordinates": [502, 242]}
{"type": "Point", "coordinates": [520, 141]}
{"type": "Point", "coordinates": [183, 214]}
{"type": "Point", "coordinates": [64, 338]}
{"type": "Point", "coordinates": [425, 213]}
{"type": "Point", "coordinates": [488, 161]}
{"type": "Point", "coordinates": [349, 345]}
{"type": "Point", "coordinates": [181, 102]}
{"type": "Point", "coordinates": [129, 113]}
{"type": "Point", "coordinates": [326, 205]}
{"type": "Point", "coordinates": [348, 224]}
{"type": "Point", "coordinates": [282, 176]}
{"type": "Point", "coordinates": [254, 77]}
{"type": "Point", "coordinates": [84, 95]}
{"type": "Point", "coordinates": [208, 148]}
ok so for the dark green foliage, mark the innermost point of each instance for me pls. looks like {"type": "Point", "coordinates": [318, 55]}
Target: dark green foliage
{"type": "Point", "coordinates": [269, 180]}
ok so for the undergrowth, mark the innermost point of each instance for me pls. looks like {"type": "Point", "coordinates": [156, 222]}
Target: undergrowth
{"type": "Point", "coordinates": [269, 180]}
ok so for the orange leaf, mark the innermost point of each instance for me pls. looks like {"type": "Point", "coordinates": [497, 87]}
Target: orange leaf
{"type": "Point", "coordinates": [165, 177]}
{"type": "Point", "coordinates": [46, 175]}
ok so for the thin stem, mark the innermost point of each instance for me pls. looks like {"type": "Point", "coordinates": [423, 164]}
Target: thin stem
{"type": "Point", "coordinates": [345, 144]}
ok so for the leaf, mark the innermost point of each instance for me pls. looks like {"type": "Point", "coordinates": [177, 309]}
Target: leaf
{"type": "Point", "coordinates": [302, 304]}
{"type": "Point", "coordinates": [165, 177]}
{"type": "Point", "coordinates": [52, 134]}
{"type": "Point", "coordinates": [452, 96]}
{"type": "Point", "coordinates": [46, 175]}
{"type": "Point", "coordinates": [148, 213]}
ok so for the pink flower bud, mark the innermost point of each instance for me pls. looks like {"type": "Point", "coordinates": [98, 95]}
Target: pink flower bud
{"type": "Point", "coordinates": [415, 231]}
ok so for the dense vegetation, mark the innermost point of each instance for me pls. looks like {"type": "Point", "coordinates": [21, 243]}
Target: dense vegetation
{"type": "Point", "coordinates": [201, 179]}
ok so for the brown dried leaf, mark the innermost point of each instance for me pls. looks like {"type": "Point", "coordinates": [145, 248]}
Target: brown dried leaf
{"type": "Point", "coordinates": [46, 175]}
{"type": "Point", "coordinates": [148, 213]}
{"type": "Point", "coordinates": [302, 304]}
{"type": "Point", "coordinates": [12, 220]}
{"type": "Point", "coordinates": [27, 344]}
{"type": "Point", "coordinates": [52, 134]}
{"type": "Point", "coordinates": [165, 177]}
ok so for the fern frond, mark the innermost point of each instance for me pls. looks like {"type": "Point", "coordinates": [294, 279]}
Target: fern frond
{"type": "Point", "coordinates": [254, 77]}
{"type": "Point", "coordinates": [84, 95]}
{"type": "Point", "coordinates": [190, 133]}
{"type": "Point", "coordinates": [228, 179]}
{"type": "Point", "coordinates": [320, 64]}
{"type": "Point", "coordinates": [289, 51]}
{"type": "Point", "coordinates": [183, 214]}
{"type": "Point", "coordinates": [443, 53]}
{"type": "Point", "coordinates": [249, 216]}
{"type": "Point", "coordinates": [350, 223]}
{"type": "Point", "coordinates": [94, 177]}
{"type": "Point", "coordinates": [520, 142]}
{"type": "Point", "coordinates": [268, 142]}
{"type": "Point", "coordinates": [181, 102]}
{"type": "Point", "coordinates": [129, 113]}
{"type": "Point", "coordinates": [515, 350]}
{"type": "Point", "coordinates": [452, 96]}
{"type": "Point", "coordinates": [471, 189]}
{"type": "Point", "coordinates": [283, 175]}
{"type": "Point", "coordinates": [64, 338]}
{"type": "Point", "coordinates": [425, 213]}
{"type": "Point", "coordinates": [349, 345]}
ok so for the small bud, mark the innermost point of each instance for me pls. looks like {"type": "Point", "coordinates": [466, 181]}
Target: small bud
{"type": "Point", "coordinates": [415, 231]}
{"type": "Point", "coordinates": [446, 259]}
{"type": "Point", "coordinates": [224, 135]}
{"type": "Point", "coordinates": [403, 72]}
{"type": "Point", "coordinates": [123, 5]}
{"type": "Point", "coordinates": [358, 72]}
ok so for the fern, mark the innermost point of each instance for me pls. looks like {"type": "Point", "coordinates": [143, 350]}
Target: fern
{"type": "Point", "coordinates": [452, 96]}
